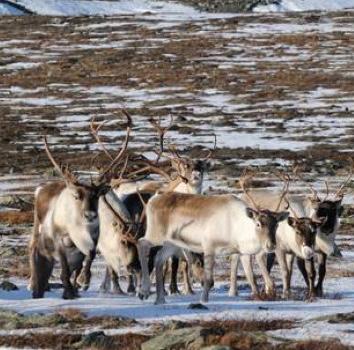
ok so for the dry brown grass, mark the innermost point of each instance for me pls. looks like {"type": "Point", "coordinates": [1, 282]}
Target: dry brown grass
{"type": "Point", "coordinates": [14, 217]}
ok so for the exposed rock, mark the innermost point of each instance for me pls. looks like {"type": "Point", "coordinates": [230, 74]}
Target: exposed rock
{"type": "Point", "coordinates": [338, 318]}
{"type": "Point", "coordinates": [95, 340]}
{"type": "Point", "coordinates": [179, 338]}
{"type": "Point", "coordinates": [197, 306]}
{"type": "Point", "coordinates": [228, 5]}
{"type": "Point", "coordinates": [214, 338]}
{"type": "Point", "coordinates": [8, 286]}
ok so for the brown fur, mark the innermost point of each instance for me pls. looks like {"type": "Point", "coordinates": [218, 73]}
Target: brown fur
{"type": "Point", "coordinates": [186, 204]}
{"type": "Point", "coordinates": [45, 195]}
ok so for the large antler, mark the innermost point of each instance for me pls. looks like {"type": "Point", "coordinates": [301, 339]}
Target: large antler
{"type": "Point", "coordinates": [122, 151]}
{"type": "Point", "coordinates": [95, 127]}
{"type": "Point", "coordinates": [210, 152]}
{"type": "Point", "coordinates": [297, 173]}
{"type": "Point", "coordinates": [64, 172]}
{"type": "Point", "coordinates": [286, 178]}
{"type": "Point", "coordinates": [340, 192]}
{"type": "Point", "coordinates": [245, 178]}
{"type": "Point", "coordinates": [181, 163]}
{"type": "Point", "coordinates": [161, 131]}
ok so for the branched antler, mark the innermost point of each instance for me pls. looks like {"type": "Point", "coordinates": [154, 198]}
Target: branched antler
{"type": "Point", "coordinates": [115, 161]}
{"type": "Point", "coordinates": [62, 170]}
{"type": "Point", "coordinates": [286, 178]}
{"type": "Point", "coordinates": [161, 131]}
{"type": "Point", "coordinates": [341, 191]}
{"type": "Point", "coordinates": [245, 178]}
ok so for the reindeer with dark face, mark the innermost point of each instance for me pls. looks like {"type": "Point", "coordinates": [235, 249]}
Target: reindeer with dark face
{"type": "Point", "coordinates": [328, 210]}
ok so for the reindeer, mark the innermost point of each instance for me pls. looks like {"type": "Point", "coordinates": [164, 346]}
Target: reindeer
{"type": "Point", "coordinates": [294, 237]}
{"type": "Point", "coordinates": [66, 226]}
{"type": "Point", "coordinates": [127, 195]}
{"type": "Point", "coordinates": [329, 209]}
{"type": "Point", "coordinates": [202, 224]}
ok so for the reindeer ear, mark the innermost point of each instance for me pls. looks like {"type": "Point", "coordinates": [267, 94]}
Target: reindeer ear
{"type": "Point", "coordinates": [251, 213]}
{"type": "Point", "coordinates": [75, 191]}
{"type": "Point", "coordinates": [291, 221]}
{"type": "Point", "coordinates": [283, 215]}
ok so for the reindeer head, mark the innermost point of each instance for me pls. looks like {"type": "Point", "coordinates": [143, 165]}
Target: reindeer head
{"type": "Point", "coordinates": [191, 171]}
{"type": "Point", "coordinates": [305, 230]}
{"type": "Point", "coordinates": [266, 221]}
{"type": "Point", "coordinates": [328, 209]}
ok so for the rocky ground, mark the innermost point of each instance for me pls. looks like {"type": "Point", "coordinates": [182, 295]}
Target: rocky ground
{"type": "Point", "coordinates": [231, 6]}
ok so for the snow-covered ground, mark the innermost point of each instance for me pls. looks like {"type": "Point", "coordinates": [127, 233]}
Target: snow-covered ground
{"type": "Point", "coordinates": [307, 5]}
{"type": "Point", "coordinates": [339, 298]}
{"type": "Point", "coordinates": [97, 8]}
{"type": "Point", "coordinates": [104, 8]}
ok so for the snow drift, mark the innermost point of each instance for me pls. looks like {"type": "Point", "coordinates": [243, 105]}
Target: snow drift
{"type": "Point", "coordinates": [306, 5]}
{"type": "Point", "coordinates": [95, 8]}
{"type": "Point", "coordinates": [108, 8]}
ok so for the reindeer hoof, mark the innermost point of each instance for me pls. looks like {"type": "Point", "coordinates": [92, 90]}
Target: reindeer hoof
{"type": "Point", "coordinates": [143, 296]}
{"type": "Point", "coordinates": [118, 292]}
{"type": "Point", "coordinates": [233, 293]}
{"type": "Point", "coordinates": [160, 301]}
{"type": "Point", "coordinates": [174, 290]}
{"type": "Point", "coordinates": [319, 292]}
{"type": "Point", "coordinates": [37, 295]}
{"type": "Point", "coordinates": [70, 294]}
{"type": "Point", "coordinates": [131, 290]}
{"type": "Point", "coordinates": [85, 287]}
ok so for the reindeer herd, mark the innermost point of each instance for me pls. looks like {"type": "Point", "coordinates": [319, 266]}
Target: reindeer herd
{"type": "Point", "coordinates": [141, 214]}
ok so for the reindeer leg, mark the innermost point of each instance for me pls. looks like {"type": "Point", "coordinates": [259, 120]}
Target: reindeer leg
{"type": "Point", "coordinates": [77, 273]}
{"type": "Point", "coordinates": [41, 270]}
{"type": "Point", "coordinates": [162, 256]}
{"type": "Point", "coordinates": [116, 286]}
{"type": "Point", "coordinates": [144, 248]}
{"type": "Point", "coordinates": [301, 265]}
{"type": "Point", "coordinates": [247, 266]}
{"type": "Point", "coordinates": [270, 261]}
{"type": "Point", "coordinates": [322, 259]}
{"type": "Point", "coordinates": [269, 283]}
{"type": "Point", "coordinates": [209, 262]}
{"type": "Point", "coordinates": [281, 257]}
{"type": "Point", "coordinates": [290, 264]}
{"type": "Point", "coordinates": [131, 284]}
{"type": "Point", "coordinates": [106, 283]}
{"type": "Point", "coordinates": [84, 277]}
{"type": "Point", "coordinates": [235, 259]}
{"type": "Point", "coordinates": [174, 275]}
{"type": "Point", "coordinates": [311, 273]}
{"type": "Point", "coordinates": [69, 290]}
{"type": "Point", "coordinates": [187, 273]}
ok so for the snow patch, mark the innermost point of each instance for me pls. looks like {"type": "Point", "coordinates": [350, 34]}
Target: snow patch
{"type": "Point", "coordinates": [306, 5]}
